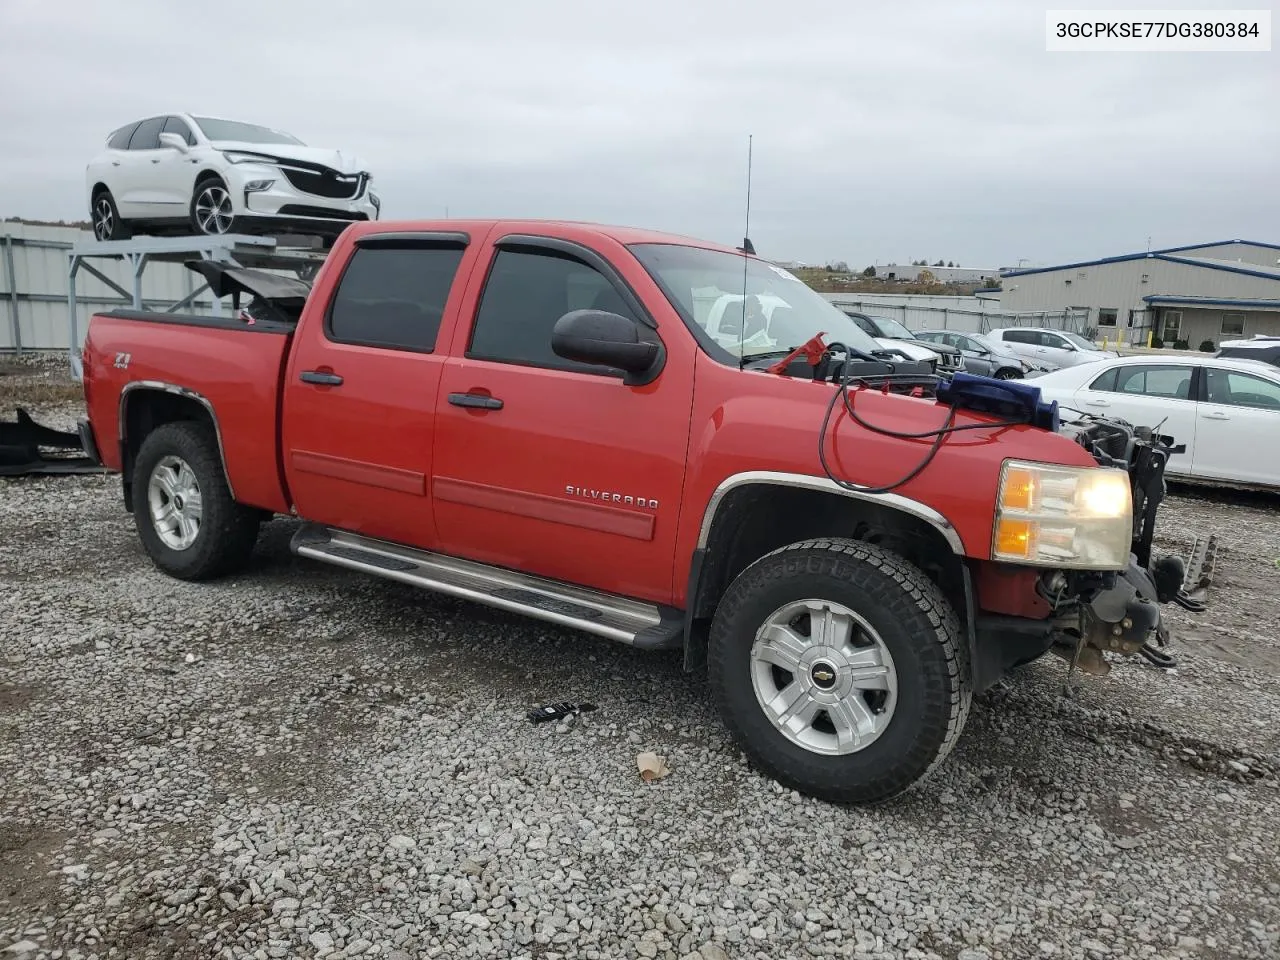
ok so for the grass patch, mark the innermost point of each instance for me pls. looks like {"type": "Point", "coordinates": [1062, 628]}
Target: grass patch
{"type": "Point", "coordinates": [22, 391]}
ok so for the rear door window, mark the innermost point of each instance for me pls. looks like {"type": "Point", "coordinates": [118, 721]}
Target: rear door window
{"type": "Point", "coordinates": [120, 138]}
{"type": "Point", "coordinates": [1106, 382]}
{"type": "Point", "coordinates": [394, 296]}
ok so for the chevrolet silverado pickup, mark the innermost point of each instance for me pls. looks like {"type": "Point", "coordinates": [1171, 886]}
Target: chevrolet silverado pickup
{"type": "Point", "coordinates": [543, 417]}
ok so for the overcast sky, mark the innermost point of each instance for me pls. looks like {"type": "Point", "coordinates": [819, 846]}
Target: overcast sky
{"type": "Point", "coordinates": [883, 131]}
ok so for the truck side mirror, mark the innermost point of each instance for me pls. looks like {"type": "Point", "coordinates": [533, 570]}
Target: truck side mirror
{"type": "Point", "coordinates": [603, 338]}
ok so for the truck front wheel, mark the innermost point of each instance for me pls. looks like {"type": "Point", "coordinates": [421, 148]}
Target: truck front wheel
{"type": "Point", "coordinates": [840, 670]}
{"type": "Point", "coordinates": [188, 522]}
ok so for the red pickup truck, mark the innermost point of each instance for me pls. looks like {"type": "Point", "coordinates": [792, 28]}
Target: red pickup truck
{"type": "Point", "coordinates": [670, 443]}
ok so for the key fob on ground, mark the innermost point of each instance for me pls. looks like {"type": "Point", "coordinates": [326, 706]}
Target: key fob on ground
{"type": "Point", "coordinates": [552, 711]}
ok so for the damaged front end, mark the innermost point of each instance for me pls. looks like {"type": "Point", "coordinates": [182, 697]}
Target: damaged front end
{"type": "Point", "coordinates": [26, 447]}
{"type": "Point", "coordinates": [1095, 613]}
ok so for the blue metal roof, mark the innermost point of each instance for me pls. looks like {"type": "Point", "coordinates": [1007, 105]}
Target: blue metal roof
{"type": "Point", "coordinates": [1138, 256]}
{"type": "Point", "coordinates": [1214, 302]}
{"type": "Point", "coordinates": [1253, 270]}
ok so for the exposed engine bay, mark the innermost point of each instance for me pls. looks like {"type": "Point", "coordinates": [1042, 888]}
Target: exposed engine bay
{"type": "Point", "coordinates": [1094, 612]}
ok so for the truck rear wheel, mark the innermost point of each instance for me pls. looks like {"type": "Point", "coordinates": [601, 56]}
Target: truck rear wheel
{"type": "Point", "coordinates": [188, 522]}
{"type": "Point", "coordinates": [840, 670]}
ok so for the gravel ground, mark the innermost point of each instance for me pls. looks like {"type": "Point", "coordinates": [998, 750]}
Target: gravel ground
{"type": "Point", "coordinates": [304, 762]}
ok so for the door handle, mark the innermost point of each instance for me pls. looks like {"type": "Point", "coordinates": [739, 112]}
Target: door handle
{"type": "Point", "coordinates": [1098, 403]}
{"type": "Point", "coordinates": [480, 400]}
{"type": "Point", "coordinates": [1216, 415]}
{"type": "Point", "coordinates": [320, 377]}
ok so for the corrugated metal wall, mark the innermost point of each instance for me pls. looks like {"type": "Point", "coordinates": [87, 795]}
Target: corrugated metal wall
{"type": "Point", "coordinates": [33, 286]}
{"type": "Point", "coordinates": [965, 314]}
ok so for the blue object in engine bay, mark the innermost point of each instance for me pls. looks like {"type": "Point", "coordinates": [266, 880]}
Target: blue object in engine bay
{"type": "Point", "coordinates": [1010, 399]}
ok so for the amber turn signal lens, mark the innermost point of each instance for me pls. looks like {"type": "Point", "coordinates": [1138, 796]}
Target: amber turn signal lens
{"type": "Point", "coordinates": [1019, 491]}
{"type": "Point", "coordinates": [1013, 538]}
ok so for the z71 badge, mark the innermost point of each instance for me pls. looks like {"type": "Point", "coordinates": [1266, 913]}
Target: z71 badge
{"type": "Point", "coordinates": [122, 360]}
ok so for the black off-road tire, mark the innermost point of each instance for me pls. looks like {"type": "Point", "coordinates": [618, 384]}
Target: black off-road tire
{"type": "Point", "coordinates": [916, 623]}
{"type": "Point", "coordinates": [227, 531]}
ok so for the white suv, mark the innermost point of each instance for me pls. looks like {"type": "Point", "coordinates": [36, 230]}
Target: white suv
{"type": "Point", "coordinates": [1051, 349]}
{"type": "Point", "coordinates": [183, 174]}
{"type": "Point", "coordinates": [1264, 348]}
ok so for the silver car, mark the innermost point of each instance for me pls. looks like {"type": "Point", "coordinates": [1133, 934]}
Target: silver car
{"type": "Point", "coordinates": [979, 356]}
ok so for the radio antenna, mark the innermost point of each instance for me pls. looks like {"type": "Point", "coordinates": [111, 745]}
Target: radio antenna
{"type": "Point", "coordinates": [747, 250]}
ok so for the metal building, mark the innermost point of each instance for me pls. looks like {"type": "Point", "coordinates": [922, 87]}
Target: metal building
{"type": "Point", "coordinates": [1194, 295]}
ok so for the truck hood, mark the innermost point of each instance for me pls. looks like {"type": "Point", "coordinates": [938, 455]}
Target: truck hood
{"type": "Point", "coordinates": [316, 156]}
{"type": "Point", "coordinates": [912, 348]}
{"type": "Point", "coordinates": [944, 348]}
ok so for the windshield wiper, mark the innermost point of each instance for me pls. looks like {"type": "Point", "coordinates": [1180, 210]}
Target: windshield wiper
{"type": "Point", "coordinates": [852, 352]}
{"type": "Point", "coordinates": [764, 355]}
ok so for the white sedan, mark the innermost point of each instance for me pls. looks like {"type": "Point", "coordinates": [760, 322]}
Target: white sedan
{"type": "Point", "coordinates": [1226, 410]}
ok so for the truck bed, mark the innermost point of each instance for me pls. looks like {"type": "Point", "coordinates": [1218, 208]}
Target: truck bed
{"type": "Point", "coordinates": [238, 367]}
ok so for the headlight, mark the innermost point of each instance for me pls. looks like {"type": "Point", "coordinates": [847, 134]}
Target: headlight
{"type": "Point", "coordinates": [241, 156]}
{"type": "Point", "coordinates": [1056, 516]}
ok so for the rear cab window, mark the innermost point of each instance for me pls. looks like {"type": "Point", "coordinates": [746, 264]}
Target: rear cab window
{"type": "Point", "coordinates": [392, 295]}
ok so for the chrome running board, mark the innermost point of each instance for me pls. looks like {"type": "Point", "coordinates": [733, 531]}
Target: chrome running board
{"type": "Point", "coordinates": [632, 622]}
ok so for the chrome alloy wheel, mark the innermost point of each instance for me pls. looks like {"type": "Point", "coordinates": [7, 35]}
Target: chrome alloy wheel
{"type": "Point", "coordinates": [173, 494]}
{"type": "Point", "coordinates": [823, 677]}
{"type": "Point", "coordinates": [213, 209]}
{"type": "Point", "coordinates": [104, 220]}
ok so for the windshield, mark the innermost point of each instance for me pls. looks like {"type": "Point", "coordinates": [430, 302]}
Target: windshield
{"type": "Point", "coordinates": [893, 329]}
{"type": "Point", "coordinates": [1080, 341]}
{"type": "Point", "coordinates": [245, 132]}
{"type": "Point", "coordinates": [781, 312]}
